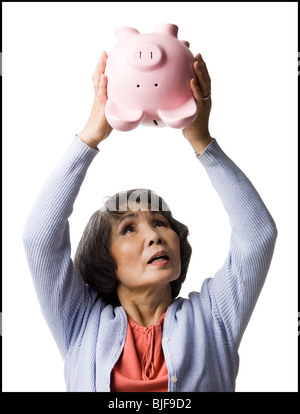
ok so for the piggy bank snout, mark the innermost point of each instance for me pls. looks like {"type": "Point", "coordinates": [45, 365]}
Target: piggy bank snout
{"type": "Point", "coordinates": [147, 56]}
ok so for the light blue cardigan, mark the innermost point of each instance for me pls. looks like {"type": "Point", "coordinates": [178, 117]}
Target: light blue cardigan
{"type": "Point", "coordinates": [201, 335]}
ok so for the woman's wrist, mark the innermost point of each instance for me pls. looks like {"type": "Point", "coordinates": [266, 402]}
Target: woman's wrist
{"type": "Point", "coordinates": [199, 143]}
{"type": "Point", "coordinates": [89, 139]}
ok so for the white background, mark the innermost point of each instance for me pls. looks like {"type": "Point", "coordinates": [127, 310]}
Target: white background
{"type": "Point", "coordinates": [50, 51]}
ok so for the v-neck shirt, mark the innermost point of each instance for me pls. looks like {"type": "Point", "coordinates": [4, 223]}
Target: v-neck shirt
{"type": "Point", "coordinates": [141, 366]}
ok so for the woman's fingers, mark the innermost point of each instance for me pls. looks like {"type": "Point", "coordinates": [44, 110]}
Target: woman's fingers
{"type": "Point", "coordinates": [100, 68]}
{"type": "Point", "coordinates": [196, 90]}
{"type": "Point", "coordinates": [202, 65]}
{"type": "Point", "coordinates": [203, 78]}
{"type": "Point", "coordinates": [102, 92]}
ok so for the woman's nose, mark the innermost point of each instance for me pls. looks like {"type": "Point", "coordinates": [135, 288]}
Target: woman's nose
{"type": "Point", "coordinates": [153, 237]}
{"type": "Point", "coordinates": [155, 241]}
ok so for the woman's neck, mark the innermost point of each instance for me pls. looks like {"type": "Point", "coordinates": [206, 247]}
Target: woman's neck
{"type": "Point", "coordinates": [146, 307]}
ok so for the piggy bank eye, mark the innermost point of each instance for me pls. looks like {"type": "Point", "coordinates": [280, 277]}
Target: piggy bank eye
{"type": "Point", "coordinates": [137, 86]}
{"type": "Point", "coordinates": [156, 85]}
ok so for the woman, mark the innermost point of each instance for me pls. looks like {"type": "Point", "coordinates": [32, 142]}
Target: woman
{"type": "Point", "coordinates": [114, 312]}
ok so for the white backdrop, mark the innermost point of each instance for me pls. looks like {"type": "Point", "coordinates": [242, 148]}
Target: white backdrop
{"type": "Point", "coordinates": [49, 53]}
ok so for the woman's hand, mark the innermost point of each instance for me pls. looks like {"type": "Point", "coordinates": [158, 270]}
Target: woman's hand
{"type": "Point", "coordinates": [198, 133]}
{"type": "Point", "coordinates": [97, 128]}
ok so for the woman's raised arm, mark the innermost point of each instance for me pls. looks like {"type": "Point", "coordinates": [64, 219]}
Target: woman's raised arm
{"type": "Point", "coordinates": [233, 292]}
{"type": "Point", "coordinates": [64, 298]}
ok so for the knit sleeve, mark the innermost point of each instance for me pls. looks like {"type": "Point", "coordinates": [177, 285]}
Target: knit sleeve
{"type": "Point", "coordinates": [63, 296]}
{"type": "Point", "coordinates": [235, 288]}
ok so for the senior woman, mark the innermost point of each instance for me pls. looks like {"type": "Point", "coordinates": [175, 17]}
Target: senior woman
{"type": "Point", "coordinates": [114, 311]}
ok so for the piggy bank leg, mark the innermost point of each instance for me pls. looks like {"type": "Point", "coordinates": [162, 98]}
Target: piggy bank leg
{"type": "Point", "coordinates": [121, 118]}
{"type": "Point", "coordinates": [180, 117]}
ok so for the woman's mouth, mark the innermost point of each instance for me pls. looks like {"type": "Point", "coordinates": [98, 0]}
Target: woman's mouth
{"type": "Point", "coordinates": [159, 259]}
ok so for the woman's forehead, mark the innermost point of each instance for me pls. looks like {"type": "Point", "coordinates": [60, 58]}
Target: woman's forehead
{"type": "Point", "coordinates": [139, 213]}
{"type": "Point", "coordinates": [135, 215]}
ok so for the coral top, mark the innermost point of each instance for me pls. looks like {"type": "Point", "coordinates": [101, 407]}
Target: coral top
{"type": "Point", "coordinates": [141, 366]}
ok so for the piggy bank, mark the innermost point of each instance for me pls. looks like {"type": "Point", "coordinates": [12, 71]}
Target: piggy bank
{"type": "Point", "coordinates": [149, 80]}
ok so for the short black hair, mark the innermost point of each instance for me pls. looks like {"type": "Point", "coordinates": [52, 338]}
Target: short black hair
{"type": "Point", "coordinates": [93, 258]}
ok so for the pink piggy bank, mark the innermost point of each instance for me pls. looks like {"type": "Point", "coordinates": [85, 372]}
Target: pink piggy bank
{"type": "Point", "coordinates": [149, 80]}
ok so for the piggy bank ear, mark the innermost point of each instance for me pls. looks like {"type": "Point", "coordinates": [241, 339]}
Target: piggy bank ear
{"type": "Point", "coordinates": [180, 117]}
{"type": "Point", "coordinates": [121, 118]}
{"type": "Point", "coordinates": [123, 32]}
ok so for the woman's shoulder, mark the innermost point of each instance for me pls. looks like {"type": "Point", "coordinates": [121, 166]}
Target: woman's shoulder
{"type": "Point", "coordinates": [194, 302]}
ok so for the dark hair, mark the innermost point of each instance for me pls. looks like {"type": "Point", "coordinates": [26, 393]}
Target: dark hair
{"type": "Point", "coordinates": [93, 258]}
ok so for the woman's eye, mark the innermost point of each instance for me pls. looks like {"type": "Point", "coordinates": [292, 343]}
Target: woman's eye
{"type": "Point", "coordinates": [127, 229]}
{"type": "Point", "coordinates": [161, 223]}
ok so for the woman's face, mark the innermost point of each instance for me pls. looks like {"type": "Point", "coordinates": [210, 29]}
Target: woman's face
{"type": "Point", "coordinates": [146, 249]}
